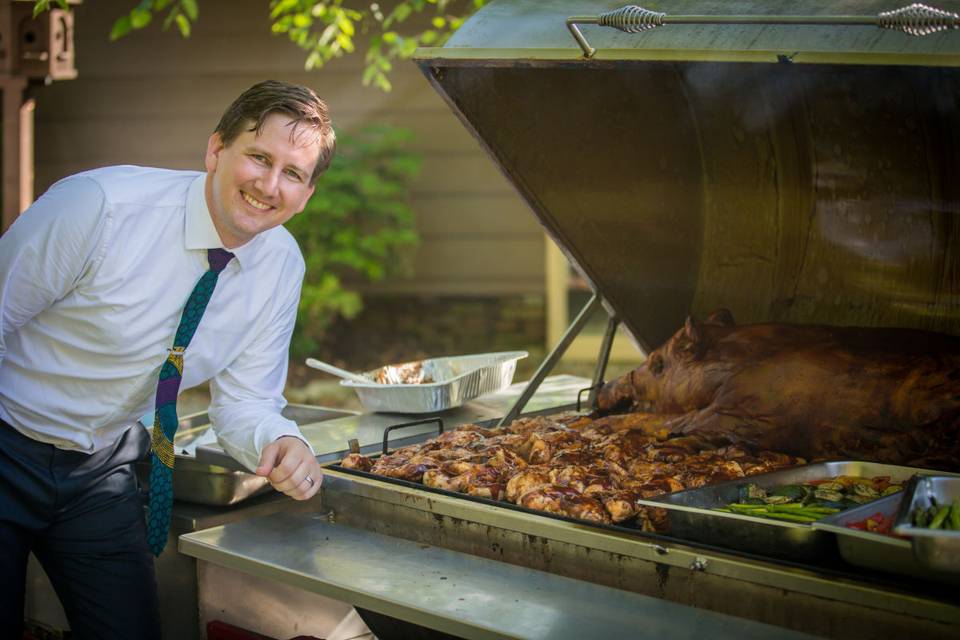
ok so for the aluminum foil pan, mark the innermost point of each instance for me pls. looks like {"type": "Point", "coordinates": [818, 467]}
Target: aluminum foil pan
{"type": "Point", "coordinates": [446, 382]}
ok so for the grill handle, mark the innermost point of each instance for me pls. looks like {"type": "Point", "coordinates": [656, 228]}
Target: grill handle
{"type": "Point", "coordinates": [915, 19]}
{"type": "Point", "coordinates": [386, 432]}
{"type": "Point", "coordinates": [591, 388]}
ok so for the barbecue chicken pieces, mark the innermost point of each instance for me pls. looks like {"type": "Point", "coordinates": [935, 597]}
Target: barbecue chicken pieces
{"type": "Point", "coordinates": [593, 470]}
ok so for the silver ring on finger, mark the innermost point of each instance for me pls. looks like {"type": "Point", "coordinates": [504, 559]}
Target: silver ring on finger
{"type": "Point", "coordinates": [309, 480]}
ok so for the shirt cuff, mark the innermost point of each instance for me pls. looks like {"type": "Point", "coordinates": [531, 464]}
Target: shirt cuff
{"type": "Point", "coordinates": [272, 430]}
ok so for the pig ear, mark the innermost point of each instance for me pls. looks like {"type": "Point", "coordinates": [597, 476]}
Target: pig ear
{"type": "Point", "coordinates": [720, 318]}
{"type": "Point", "coordinates": [692, 342]}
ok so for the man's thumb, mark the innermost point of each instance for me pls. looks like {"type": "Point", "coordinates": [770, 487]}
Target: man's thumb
{"type": "Point", "coordinates": [268, 460]}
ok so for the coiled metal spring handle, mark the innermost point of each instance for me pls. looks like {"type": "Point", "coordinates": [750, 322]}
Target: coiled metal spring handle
{"type": "Point", "coordinates": [915, 20]}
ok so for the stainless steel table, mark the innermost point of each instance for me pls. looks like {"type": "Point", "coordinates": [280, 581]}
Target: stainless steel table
{"type": "Point", "coordinates": [456, 593]}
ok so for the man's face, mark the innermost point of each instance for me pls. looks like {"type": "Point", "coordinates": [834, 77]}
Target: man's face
{"type": "Point", "coordinates": [259, 181]}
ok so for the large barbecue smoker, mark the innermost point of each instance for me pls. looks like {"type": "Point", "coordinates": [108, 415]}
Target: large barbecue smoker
{"type": "Point", "coordinates": [792, 161]}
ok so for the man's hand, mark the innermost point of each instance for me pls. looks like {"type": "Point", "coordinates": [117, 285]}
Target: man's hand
{"type": "Point", "coordinates": [291, 468]}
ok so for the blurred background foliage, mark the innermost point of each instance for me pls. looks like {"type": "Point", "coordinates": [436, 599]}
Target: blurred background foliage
{"type": "Point", "coordinates": [324, 29]}
{"type": "Point", "coordinates": [357, 227]}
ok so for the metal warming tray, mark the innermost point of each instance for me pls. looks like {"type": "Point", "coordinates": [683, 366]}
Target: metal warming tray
{"type": "Point", "coordinates": [878, 551]}
{"type": "Point", "coordinates": [933, 548]}
{"type": "Point", "coordinates": [197, 480]}
{"type": "Point", "coordinates": [454, 380]}
{"type": "Point", "coordinates": [691, 513]}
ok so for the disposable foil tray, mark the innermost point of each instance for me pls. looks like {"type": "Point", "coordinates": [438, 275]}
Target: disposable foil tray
{"type": "Point", "coordinates": [691, 513]}
{"type": "Point", "coordinates": [933, 548]}
{"type": "Point", "coordinates": [452, 381]}
{"type": "Point", "coordinates": [877, 551]}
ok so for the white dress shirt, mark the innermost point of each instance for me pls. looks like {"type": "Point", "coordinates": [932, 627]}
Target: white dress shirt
{"type": "Point", "coordinates": [93, 279]}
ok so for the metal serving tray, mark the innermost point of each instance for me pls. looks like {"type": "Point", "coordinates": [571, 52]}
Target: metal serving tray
{"type": "Point", "coordinates": [933, 548]}
{"type": "Point", "coordinates": [456, 379]}
{"type": "Point", "coordinates": [211, 484]}
{"type": "Point", "coordinates": [691, 513]}
{"type": "Point", "coordinates": [878, 551]}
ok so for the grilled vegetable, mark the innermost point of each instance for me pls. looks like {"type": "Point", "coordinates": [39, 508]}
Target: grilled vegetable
{"type": "Point", "coordinates": [877, 523]}
{"type": "Point", "coordinates": [810, 500]}
{"type": "Point", "coordinates": [827, 494]}
{"type": "Point", "coordinates": [938, 519]}
{"type": "Point", "coordinates": [831, 486]}
{"type": "Point", "coordinates": [752, 492]}
{"type": "Point", "coordinates": [865, 491]}
{"type": "Point", "coordinates": [791, 491]}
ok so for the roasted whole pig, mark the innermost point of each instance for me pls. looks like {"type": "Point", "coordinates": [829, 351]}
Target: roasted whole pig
{"type": "Point", "coordinates": [877, 394]}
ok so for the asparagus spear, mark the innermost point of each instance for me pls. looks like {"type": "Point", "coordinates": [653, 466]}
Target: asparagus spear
{"type": "Point", "coordinates": [941, 516]}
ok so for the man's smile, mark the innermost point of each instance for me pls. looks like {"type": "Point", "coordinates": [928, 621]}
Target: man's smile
{"type": "Point", "coordinates": [253, 202]}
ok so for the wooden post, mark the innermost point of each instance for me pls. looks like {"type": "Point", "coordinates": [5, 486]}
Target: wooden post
{"type": "Point", "coordinates": [38, 49]}
{"type": "Point", "coordinates": [12, 88]}
{"type": "Point", "coordinates": [27, 110]}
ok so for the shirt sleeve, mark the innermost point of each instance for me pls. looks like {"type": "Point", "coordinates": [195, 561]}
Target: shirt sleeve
{"type": "Point", "coordinates": [247, 397]}
{"type": "Point", "coordinates": [48, 249]}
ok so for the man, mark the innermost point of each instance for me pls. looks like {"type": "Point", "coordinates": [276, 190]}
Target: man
{"type": "Point", "coordinates": [99, 283]}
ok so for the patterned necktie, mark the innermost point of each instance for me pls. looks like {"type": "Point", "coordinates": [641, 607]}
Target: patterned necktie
{"type": "Point", "coordinates": [165, 419]}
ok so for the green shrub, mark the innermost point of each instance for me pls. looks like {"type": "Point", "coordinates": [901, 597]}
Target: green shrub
{"type": "Point", "coordinates": [357, 227]}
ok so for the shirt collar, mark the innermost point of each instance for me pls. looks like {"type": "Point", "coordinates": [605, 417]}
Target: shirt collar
{"type": "Point", "coordinates": [199, 230]}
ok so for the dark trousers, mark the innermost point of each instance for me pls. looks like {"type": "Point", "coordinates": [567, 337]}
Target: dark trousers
{"type": "Point", "coordinates": [82, 517]}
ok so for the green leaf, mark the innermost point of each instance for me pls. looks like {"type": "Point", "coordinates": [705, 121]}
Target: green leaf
{"type": "Point", "coordinates": [139, 18]}
{"type": "Point", "coordinates": [190, 8]}
{"type": "Point", "coordinates": [346, 26]}
{"type": "Point", "coordinates": [400, 13]}
{"type": "Point", "coordinates": [183, 24]}
{"type": "Point", "coordinates": [40, 6]}
{"type": "Point", "coordinates": [345, 42]}
{"type": "Point", "coordinates": [121, 27]}
{"type": "Point", "coordinates": [281, 7]}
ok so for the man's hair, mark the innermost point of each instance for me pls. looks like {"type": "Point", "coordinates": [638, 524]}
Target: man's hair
{"type": "Point", "coordinates": [300, 104]}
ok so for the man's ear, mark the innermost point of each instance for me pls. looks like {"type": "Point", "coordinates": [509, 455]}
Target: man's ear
{"type": "Point", "coordinates": [306, 198]}
{"type": "Point", "coordinates": [214, 147]}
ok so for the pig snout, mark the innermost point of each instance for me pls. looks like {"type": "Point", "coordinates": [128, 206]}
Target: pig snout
{"type": "Point", "coordinates": [630, 392]}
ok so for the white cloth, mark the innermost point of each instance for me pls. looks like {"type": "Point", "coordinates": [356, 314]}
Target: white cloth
{"type": "Point", "coordinates": [93, 279]}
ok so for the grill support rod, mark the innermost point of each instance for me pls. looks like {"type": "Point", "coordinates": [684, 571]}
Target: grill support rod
{"type": "Point", "coordinates": [915, 20]}
{"type": "Point", "coordinates": [552, 359]}
{"type": "Point", "coordinates": [602, 359]}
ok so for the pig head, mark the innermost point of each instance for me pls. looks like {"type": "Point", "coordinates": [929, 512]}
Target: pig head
{"type": "Point", "coordinates": [881, 394]}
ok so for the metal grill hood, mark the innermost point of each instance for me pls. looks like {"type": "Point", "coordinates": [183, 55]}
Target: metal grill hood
{"type": "Point", "coordinates": [789, 173]}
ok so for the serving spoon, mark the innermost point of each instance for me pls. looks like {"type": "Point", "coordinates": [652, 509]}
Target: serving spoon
{"type": "Point", "coordinates": [337, 371]}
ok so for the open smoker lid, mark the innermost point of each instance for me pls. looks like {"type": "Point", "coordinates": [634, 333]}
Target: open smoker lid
{"type": "Point", "coordinates": [789, 173]}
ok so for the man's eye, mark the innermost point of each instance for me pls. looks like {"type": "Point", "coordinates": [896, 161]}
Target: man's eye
{"type": "Point", "coordinates": [259, 158]}
{"type": "Point", "coordinates": [294, 175]}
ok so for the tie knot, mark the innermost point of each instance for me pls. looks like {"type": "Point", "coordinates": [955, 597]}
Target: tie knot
{"type": "Point", "coordinates": [218, 259]}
